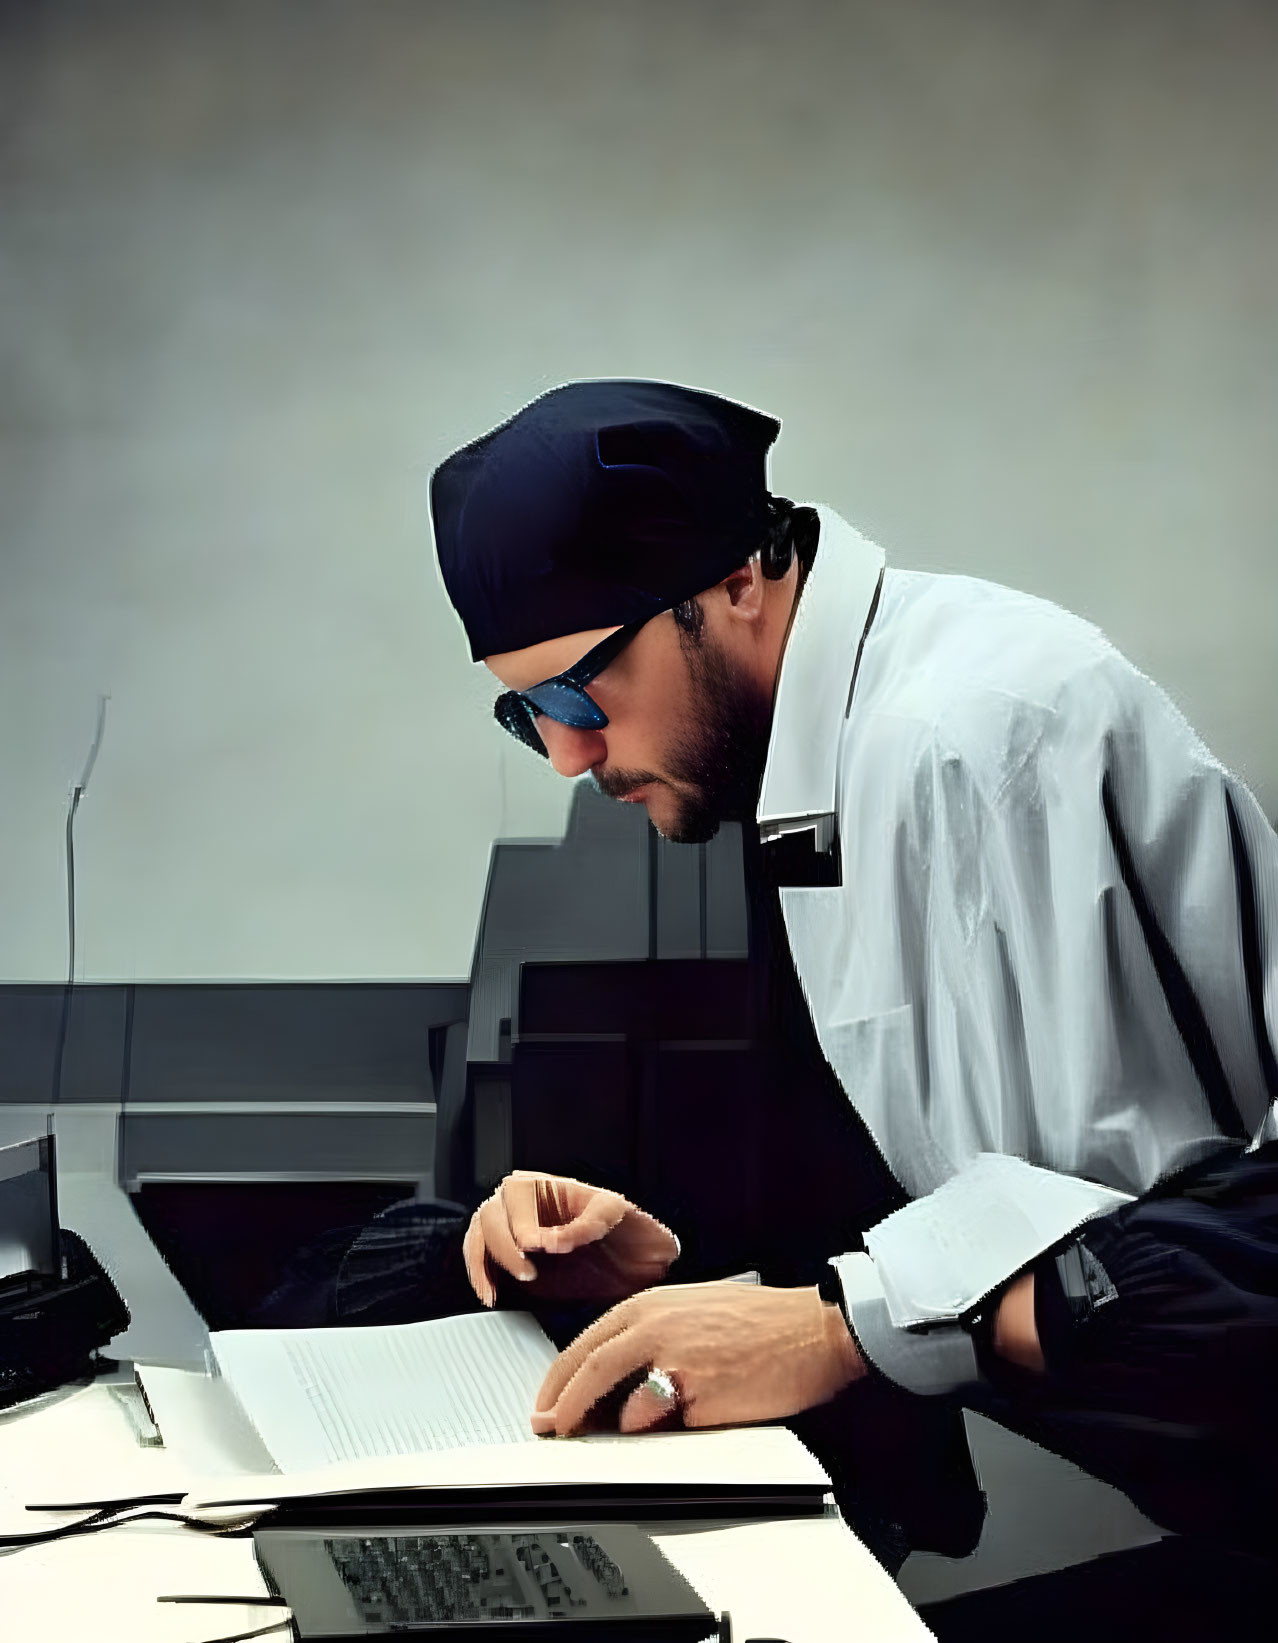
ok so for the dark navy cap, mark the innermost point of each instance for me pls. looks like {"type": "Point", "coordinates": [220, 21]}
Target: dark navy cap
{"type": "Point", "coordinates": [599, 503]}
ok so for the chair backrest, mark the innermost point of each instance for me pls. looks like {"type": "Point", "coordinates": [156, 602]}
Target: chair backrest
{"type": "Point", "coordinates": [639, 1025]}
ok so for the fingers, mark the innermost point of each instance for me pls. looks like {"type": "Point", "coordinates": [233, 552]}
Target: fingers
{"type": "Point", "coordinates": [526, 1208]}
{"type": "Point", "coordinates": [489, 1244]}
{"type": "Point", "coordinates": [558, 1214]}
{"type": "Point", "coordinates": [530, 1211]}
{"type": "Point", "coordinates": [475, 1264]}
{"type": "Point", "coordinates": [570, 1360]}
{"type": "Point", "coordinates": [601, 1214]}
{"type": "Point", "coordinates": [647, 1411]}
{"type": "Point", "coordinates": [598, 1360]}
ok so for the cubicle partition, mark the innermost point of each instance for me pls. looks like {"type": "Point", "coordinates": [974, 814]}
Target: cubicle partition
{"type": "Point", "coordinates": [231, 1122]}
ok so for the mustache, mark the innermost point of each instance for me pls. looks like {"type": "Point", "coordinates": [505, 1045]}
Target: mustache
{"type": "Point", "coordinates": [619, 784]}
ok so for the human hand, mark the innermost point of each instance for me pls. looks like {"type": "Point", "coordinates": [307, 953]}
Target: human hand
{"type": "Point", "coordinates": [597, 1245]}
{"type": "Point", "coordinates": [737, 1354]}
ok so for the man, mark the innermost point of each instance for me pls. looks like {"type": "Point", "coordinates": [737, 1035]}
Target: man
{"type": "Point", "coordinates": [1033, 919]}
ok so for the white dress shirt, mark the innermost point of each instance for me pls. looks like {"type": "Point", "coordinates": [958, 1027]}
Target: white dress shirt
{"type": "Point", "coordinates": [1039, 863]}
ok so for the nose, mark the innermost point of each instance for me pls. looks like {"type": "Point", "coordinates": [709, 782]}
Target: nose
{"type": "Point", "coordinates": [572, 752]}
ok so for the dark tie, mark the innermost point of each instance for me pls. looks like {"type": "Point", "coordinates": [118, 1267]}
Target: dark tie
{"type": "Point", "coordinates": [794, 862]}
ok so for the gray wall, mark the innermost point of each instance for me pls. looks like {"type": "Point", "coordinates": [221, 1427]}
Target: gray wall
{"type": "Point", "coordinates": [1006, 270]}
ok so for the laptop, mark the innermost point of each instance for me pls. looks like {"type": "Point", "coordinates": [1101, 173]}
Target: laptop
{"type": "Point", "coordinates": [586, 1581]}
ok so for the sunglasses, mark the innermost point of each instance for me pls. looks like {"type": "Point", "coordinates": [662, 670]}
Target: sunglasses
{"type": "Point", "coordinates": [563, 698]}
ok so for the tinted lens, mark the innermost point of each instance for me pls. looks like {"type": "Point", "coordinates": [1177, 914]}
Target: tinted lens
{"type": "Point", "coordinates": [567, 703]}
{"type": "Point", "coordinates": [563, 697]}
{"type": "Point", "coordinates": [512, 713]}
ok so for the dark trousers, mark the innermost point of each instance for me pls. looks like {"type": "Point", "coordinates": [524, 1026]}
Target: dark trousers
{"type": "Point", "coordinates": [1168, 1388]}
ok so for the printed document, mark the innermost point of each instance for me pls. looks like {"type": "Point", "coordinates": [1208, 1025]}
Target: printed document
{"type": "Point", "coordinates": [445, 1404]}
{"type": "Point", "coordinates": [320, 1396]}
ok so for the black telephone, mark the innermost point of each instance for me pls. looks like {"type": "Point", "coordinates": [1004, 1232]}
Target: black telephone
{"type": "Point", "coordinates": [50, 1327]}
{"type": "Point", "coordinates": [57, 1305]}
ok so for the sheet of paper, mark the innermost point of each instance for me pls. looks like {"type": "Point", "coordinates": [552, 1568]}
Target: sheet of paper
{"type": "Point", "coordinates": [201, 1422]}
{"type": "Point", "coordinates": [75, 1445]}
{"type": "Point", "coordinates": [757, 1455]}
{"type": "Point", "coordinates": [941, 1254]}
{"type": "Point", "coordinates": [317, 1396]}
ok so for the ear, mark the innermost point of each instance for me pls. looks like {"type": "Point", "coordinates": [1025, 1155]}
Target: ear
{"type": "Point", "coordinates": [744, 590]}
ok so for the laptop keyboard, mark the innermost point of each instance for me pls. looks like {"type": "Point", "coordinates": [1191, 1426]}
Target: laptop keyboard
{"type": "Point", "coordinates": [414, 1579]}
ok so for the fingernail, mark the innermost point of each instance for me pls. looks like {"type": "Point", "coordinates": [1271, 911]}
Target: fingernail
{"type": "Point", "coordinates": [526, 1277]}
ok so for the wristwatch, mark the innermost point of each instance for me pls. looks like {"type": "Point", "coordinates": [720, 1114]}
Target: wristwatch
{"type": "Point", "coordinates": [830, 1289]}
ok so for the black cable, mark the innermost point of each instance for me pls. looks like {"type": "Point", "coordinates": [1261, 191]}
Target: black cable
{"type": "Point", "coordinates": [76, 795]}
{"type": "Point", "coordinates": [258, 1631]}
{"type": "Point", "coordinates": [110, 1518]}
{"type": "Point", "coordinates": [75, 805]}
{"type": "Point", "coordinates": [118, 1504]}
{"type": "Point", "coordinates": [222, 1597]}
{"type": "Point", "coordinates": [65, 1020]}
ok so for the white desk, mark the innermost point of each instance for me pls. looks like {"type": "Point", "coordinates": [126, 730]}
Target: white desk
{"type": "Point", "coordinates": [808, 1581]}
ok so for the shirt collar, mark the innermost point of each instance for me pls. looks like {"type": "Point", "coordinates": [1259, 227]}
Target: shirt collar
{"type": "Point", "coordinates": [801, 772]}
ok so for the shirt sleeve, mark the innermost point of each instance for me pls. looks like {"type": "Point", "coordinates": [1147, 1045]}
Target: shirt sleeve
{"type": "Point", "coordinates": [1096, 907]}
{"type": "Point", "coordinates": [913, 1297]}
{"type": "Point", "coordinates": [939, 1359]}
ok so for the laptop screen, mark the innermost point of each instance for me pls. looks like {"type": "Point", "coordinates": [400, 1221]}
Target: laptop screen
{"type": "Point", "coordinates": [28, 1209]}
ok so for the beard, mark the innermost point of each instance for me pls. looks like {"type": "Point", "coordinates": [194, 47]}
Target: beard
{"type": "Point", "coordinates": [718, 761]}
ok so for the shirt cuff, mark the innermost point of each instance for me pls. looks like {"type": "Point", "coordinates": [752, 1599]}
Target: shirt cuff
{"type": "Point", "coordinates": [941, 1255]}
{"type": "Point", "coordinates": [930, 1361]}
